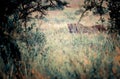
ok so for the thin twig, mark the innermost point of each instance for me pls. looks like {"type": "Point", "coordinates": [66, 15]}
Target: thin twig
{"type": "Point", "coordinates": [81, 16]}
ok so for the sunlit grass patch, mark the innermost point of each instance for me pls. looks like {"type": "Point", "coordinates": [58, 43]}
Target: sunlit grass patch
{"type": "Point", "coordinates": [66, 55]}
{"type": "Point", "coordinates": [77, 55]}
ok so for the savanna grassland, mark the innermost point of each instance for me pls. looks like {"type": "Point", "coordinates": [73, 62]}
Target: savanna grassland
{"type": "Point", "coordinates": [77, 55]}
{"type": "Point", "coordinates": [55, 53]}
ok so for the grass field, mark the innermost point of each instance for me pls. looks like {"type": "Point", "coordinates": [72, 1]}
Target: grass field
{"type": "Point", "coordinates": [65, 55]}
{"type": "Point", "coordinates": [79, 56]}
{"type": "Point", "coordinates": [68, 55]}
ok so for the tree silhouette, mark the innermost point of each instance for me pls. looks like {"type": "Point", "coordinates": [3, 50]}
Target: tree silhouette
{"type": "Point", "coordinates": [114, 11]}
{"type": "Point", "coordinates": [114, 7]}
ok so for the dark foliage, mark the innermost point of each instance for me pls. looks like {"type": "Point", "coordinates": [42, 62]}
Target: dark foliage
{"type": "Point", "coordinates": [113, 8]}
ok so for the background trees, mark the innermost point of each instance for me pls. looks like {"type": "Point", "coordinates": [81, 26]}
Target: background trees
{"type": "Point", "coordinates": [101, 7]}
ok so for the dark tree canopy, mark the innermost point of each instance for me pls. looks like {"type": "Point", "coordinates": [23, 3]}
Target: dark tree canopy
{"type": "Point", "coordinates": [24, 7]}
{"type": "Point", "coordinates": [113, 8]}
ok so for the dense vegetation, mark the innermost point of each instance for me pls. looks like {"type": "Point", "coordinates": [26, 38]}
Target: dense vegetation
{"type": "Point", "coordinates": [16, 35]}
